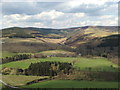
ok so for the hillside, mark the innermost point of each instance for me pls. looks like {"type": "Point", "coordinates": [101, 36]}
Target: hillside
{"type": "Point", "coordinates": [31, 32]}
{"type": "Point", "coordinates": [69, 36]}
{"type": "Point", "coordinates": [105, 46]}
{"type": "Point", "coordinates": [88, 33]}
{"type": "Point", "coordinates": [17, 32]}
{"type": "Point", "coordinates": [47, 38]}
{"type": "Point", "coordinates": [73, 55]}
{"type": "Point", "coordinates": [94, 31]}
{"type": "Point", "coordinates": [107, 41]}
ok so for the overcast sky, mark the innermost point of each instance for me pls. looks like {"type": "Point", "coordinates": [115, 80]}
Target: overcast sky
{"type": "Point", "coordinates": [73, 13]}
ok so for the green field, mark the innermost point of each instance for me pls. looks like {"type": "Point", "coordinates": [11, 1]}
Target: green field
{"type": "Point", "coordinates": [10, 54]}
{"type": "Point", "coordinates": [50, 52]}
{"type": "Point", "coordinates": [99, 64]}
{"type": "Point", "coordinates": [1, 86]}
{"type": "Point", "coordinates": [7, 54]}
{"type": "Point", "coordinates": [54, 52]}
{"type": "Point", "coordinates": [18, 80]}
{"type": "Point", "coordinates": [73, 84]}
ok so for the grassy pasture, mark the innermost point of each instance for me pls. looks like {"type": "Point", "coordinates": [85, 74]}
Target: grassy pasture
{"type": "Point", "coordinates": [2, 86]}
{"type": "Point", "coordinates": [54, 52]}
{"type": "Point", "coordinates": [7, 54]}
{"type": "Point", "coordinates": [99, 64]}
{"type": "Point", "coordinates": [73, 84]}
{"type": "Point", "coordinates": [10, 54]}
{"type": "Point", "coordinates": [18, 80]}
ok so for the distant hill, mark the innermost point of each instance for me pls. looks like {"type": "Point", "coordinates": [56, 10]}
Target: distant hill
{"type": "Point", "coordinates": [75, 32]}
{"type": "Point", "coordinates": [33, 32]}
{"type": "Point", "coordinates": [17, 32]}
{"type": "Point", "coordinates": [85, 34]}
{"type": "Point", "coordinates": [46, 31]}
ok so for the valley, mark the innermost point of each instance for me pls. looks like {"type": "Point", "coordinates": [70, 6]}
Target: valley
{"type": "Point", "coordinates": [79, 57]}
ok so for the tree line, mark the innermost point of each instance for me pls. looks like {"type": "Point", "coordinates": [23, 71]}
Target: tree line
{"type": "Point", "coordinates": [16, 58]}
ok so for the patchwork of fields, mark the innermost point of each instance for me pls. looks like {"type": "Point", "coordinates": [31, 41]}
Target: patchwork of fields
{"type": "Point", "coordinates": [96, 64]}
{"type": "Point", "coordinates": [82, 63]}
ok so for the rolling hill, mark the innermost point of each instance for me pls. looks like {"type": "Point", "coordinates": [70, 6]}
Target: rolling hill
{"type": "Point", "coordinates": [105, 46]}
{"type": "Point", "coordinates": [57, 38]}
{"type": "Point", "coordinates": [34, 32]}
{"type": "Point", "coordinates": [91, 51]}
{"type": "Point", "coordinates": [88, 33]}
{"type": "Point", "coordinates": [72, 36]}
{"type": "Point", "coordinates": [17, 32]}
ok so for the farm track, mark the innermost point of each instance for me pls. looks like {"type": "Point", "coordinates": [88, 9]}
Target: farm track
{"type": "Point", "coordinates": [9, 86]}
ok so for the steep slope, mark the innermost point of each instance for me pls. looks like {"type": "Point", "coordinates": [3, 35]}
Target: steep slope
{"type": "Point", "coordinates": [75, 36]}
{"type": "Point", "coordinates": [85, 34]}
{"type": "Point", "coordinates": [104, 46]}
{"type": "Point", "coordinates": [17, 39]}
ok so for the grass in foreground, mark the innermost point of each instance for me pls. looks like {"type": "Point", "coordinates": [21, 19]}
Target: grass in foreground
{"type": "Point", "coordinates": [99, 64]}
{"type": "Point", "coordinates": [18, 80]}
{"type": "Point", "coordinates": [2, 86]}
{"type": "Point", "coordinates": [73, 84]}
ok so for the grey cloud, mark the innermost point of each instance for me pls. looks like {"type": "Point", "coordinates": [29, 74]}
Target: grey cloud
{"type": "Point", "coordinates": [27, 7]}
{"type": "Point", "coordinates": [38, 7]}
{"type": "Point", "coordinates": [92, 9]}
{"type": "Point", "coordinates": [68, 19]}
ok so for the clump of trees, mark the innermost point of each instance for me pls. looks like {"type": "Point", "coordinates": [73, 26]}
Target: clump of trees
{"type": "Point", "coordinates": [48, 68]}
{"type": "Point", "coordinates": [16, 58]}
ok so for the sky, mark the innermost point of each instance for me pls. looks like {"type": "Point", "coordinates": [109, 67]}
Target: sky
{"type": "Point", "coordinates": [60, 14]}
